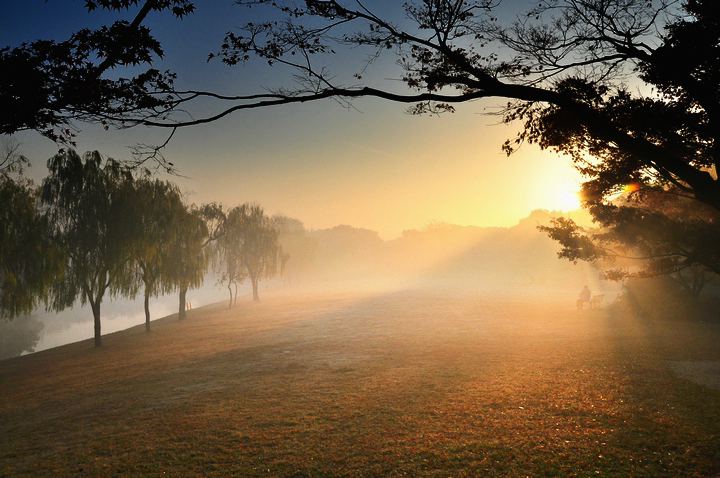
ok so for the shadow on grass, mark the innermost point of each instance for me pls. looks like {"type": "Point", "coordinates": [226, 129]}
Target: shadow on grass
{"type": "Point", "coordinates": [411, 382]}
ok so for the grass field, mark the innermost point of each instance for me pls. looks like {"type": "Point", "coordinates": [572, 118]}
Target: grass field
{"type": "Point", "coordinates": [410, 383]}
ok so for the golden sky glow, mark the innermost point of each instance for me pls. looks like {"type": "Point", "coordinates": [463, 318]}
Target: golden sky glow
{"type": "Point", "coordinates": [376, 168]}
{"type": "Point", "coordinates": [379, 169]}
{"type": "Point", "coordinates": [384, 170]}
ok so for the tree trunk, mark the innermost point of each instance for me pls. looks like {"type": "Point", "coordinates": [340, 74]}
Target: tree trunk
{"type": "Point", "coordinates": [231, 296]}
{"type": "Point", "coordinates": [255, 281]}
{"type": "Point", "coordinates": [181, 312]}
{"type": "Point", "coordinates": [147, 310]}
{"type": "Point", "coordinates": [96, 317]}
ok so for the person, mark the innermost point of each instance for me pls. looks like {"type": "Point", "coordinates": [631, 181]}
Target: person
{"type": "Point", "coordinates": [584, 297]}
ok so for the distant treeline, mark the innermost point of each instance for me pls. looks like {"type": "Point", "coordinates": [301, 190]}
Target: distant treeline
{"type": "Point", "coordinates": [517, 256]}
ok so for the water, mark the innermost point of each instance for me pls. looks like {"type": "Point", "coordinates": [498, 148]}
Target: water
{"type": "Point", "coordinates": [76, 324]}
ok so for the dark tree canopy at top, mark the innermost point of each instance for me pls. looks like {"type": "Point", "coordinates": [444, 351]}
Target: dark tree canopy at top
{"type": "Point", "coordinates": [628, 88]}
{"type": "Point", "coordinates": [46, 85]}
{"type": "Point", "coordinates": [572, 57]}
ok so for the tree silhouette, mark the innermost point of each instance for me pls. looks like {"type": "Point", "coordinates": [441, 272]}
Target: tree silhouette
{"type": "Point", "coordinates": [50, 84]}
{"type": "Point", "coordinates": [628, 88]}
{"type": "Point", "coordinates": [29, 261]}
{"type": "Point", "coordinates": [646, 233]}
{"type": "Point", "coordinates": [90, 220]}
{"type": "Point", "coordinates": [254, 238]}
{"type": "Point", "coordinates": [156, 205]}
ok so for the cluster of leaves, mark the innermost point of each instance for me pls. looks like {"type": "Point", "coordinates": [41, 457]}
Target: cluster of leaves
{"type": "Point", "coordinates": [29, 261]}
{"type": "Point", "coordinates": [249, 248]}
{"type": "Point", "coordinates": [644, 234]}
{"type": "Point", "coordinates": [48, 85]}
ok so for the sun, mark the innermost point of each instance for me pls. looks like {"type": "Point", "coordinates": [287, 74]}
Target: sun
{"type": "Point", "coordinates": [563, 200]}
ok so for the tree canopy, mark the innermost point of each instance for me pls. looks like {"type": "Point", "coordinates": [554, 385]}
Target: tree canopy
{"type": "Point", "coordinates": [29, 260]}
{"type": "Point", "coordinates": [612, 73]}
{"type": "Point", "coordinates": [629, 89]}
{"type": "Point", "coordinates": [50, 84]}
{"type": "Point", "coordinates": [156, 205]}
{"type": "Point", "coordinates": [89, 218]}
{"type": "Point", "coordinates": [251, 246]}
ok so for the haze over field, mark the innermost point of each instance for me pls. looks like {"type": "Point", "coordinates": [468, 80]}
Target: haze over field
{"type": "Point", "coordinates": [373, 168]}
{"type": "Point", "coordinates": [417, 382]}
{"type": "Point", "coordinates": [517, 260]}
{"type": "Point", "coordinates": [356, 238]}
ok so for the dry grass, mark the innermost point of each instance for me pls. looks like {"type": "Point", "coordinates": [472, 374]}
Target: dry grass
{"type": "Point", "coordinates": [407, 383]}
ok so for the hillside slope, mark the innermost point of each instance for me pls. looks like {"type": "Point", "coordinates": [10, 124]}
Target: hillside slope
{"type": "Point", "coordinates": [407, 382]}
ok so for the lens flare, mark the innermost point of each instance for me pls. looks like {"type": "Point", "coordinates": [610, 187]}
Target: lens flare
{"type": "Point", "coordinates": [630, 188]}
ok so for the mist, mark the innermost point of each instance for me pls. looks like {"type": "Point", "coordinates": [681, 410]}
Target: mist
{"type": "Point", "coordinates": [503, 261]}
{"type": "Point", "coordinates": [517, 259]}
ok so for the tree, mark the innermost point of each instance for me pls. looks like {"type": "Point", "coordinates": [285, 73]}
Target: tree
{"type": "Point", "coordinates": [646, 233]}
{"type": "Point", "coordinates": [254, 239]}
{"type": "Point", "coordinates": [11, 161]}
{"type": "Point", "coordinates": [193, 230]}
{"type": "Point", "coordinates": [90, 220]}
{"type": "Point", "coordinates": [55, 83]}
{"type": "Point", "coordinates": [229, 264]}
{"type": "Point", "coordinates": [29, 261]}
{"type": "Point", "coordinates": [628, 88]}
{"type": "Point", "coordinates": [187, 261]}
{"type": "Point", "coordinates": [299, 249]}
{"type": "Point", "coordinates": [156, 206]}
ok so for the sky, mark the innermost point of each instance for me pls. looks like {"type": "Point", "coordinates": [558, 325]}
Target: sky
{"type": "Point", "coordinates": [373, 166]}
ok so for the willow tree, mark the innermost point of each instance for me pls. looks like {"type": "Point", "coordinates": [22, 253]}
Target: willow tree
{"type": "Point", "coordinates": [90, 220]}
{"type": "Point", "coordinates": [156, 206]}
{"type": "Point", "coordinates": [187, 262]}
{"type": "Point", "coordinates": [255, 241]}
{"type": "Point", "coordinates": [29, 261]}
{"type": "Point", "coordinates": [228, 262]}
{"type": "Point", "coordinates": [193, 231]}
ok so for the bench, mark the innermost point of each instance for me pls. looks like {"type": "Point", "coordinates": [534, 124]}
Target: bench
{"type": "Point", "coordinates": [594, 303]}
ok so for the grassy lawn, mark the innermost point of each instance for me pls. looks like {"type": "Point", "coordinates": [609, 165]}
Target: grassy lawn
{"type": "Point", "coordinates": [407, 383]}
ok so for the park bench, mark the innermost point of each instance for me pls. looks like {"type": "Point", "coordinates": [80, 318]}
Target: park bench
{"type": "Point", "coordinates": [594, 303]}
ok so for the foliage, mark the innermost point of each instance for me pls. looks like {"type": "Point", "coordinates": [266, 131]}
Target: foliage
{"type": "Point", "coordinates": [627, 88]}
{"type": "Point", "coordinates": [646, 234]}
{"type": "Point", "coordinates": [11, 161]}
{"type": "Point", "coordinates": [47, 84]}
{"type": "Point", "coordinates": [155, 205]}
{"type": "Point", "coordinates": [89, 217]}
{"type": "Point", "coordinates": [229, 265]}
{"type": "Point", "coordinates": [250, 246]}
{"type": "Point", "coordinates": [187, 259]}
{"type": "Point", "coordinates": [29, 261]}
